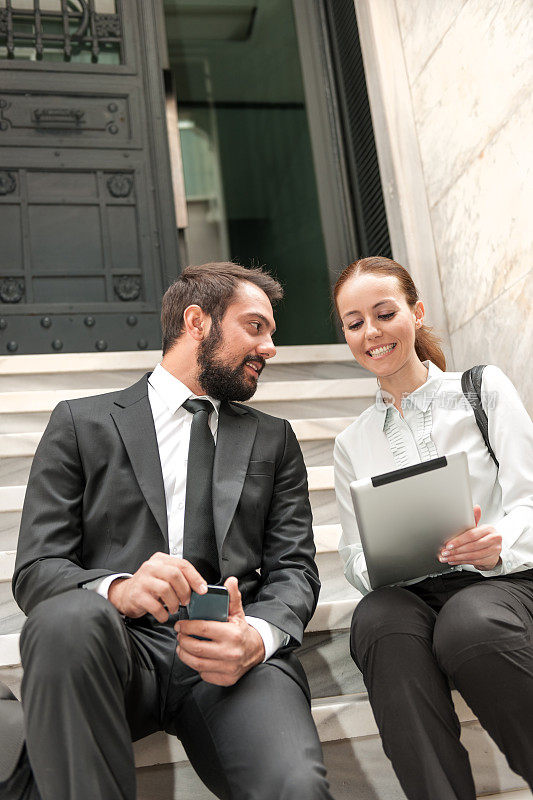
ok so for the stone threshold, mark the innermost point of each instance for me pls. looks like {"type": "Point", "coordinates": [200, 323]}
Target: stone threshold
{"type": "Point", "coordinates": [274, 391]}
{"type": "Point", "coordinates": [23, 445]}
{"type": "Point", "coordinates": [147, 359]}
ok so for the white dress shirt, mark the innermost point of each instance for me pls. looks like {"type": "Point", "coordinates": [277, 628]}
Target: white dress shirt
{"type": "Point", "coordinates": [173, 430]}
{"type": "Point", "coordinates": [438, 420]}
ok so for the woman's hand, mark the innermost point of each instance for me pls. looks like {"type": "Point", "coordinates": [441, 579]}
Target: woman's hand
{"type": "Point", "coordinates": [480, 546]}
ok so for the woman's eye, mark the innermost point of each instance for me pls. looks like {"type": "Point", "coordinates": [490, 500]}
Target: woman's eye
{"type": "Point", "coordinates": [355, 325]}
{"type": "Point", "coordinates": [387, 316]}
{"type": "Point", "coordinates": [255, 325]}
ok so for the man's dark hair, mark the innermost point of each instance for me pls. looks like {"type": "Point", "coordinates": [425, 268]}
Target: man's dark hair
{"type": "Point", "coordinates": [212, 287]}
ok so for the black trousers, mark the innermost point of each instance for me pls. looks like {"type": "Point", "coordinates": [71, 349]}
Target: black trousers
{"type": "Point", "coordinates": [410, 642]}
{"type": "Point", "coordinates": [93, 683]}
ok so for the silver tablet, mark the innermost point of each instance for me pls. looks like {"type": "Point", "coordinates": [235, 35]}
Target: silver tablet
{"type": "Point", "coordinates": [405, 516]}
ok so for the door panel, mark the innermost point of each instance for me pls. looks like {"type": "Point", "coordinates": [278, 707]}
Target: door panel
{"type": "Point", "coordinates": [86, 204]}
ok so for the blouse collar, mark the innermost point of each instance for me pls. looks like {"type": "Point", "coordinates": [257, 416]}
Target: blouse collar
{"type": "Point", "coordinates": [420, 399]}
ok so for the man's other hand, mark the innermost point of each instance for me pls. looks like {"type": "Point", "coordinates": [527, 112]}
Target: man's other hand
{"type": "Point", "coordinates": [233, 647]}
{"type": "Point", "coordinates": [159, 587]}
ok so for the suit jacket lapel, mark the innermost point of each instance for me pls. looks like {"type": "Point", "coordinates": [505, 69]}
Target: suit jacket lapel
{"type": "Point", "coordinates": [133, 418]}
{"type": "Point", "coordinates": [235, 438]}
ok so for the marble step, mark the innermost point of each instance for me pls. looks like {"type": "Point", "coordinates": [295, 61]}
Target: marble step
{"type": "Point", "coordinates": [120, 378]}
{"type": "Point", "coordinates": [9, 530]}
{"type": "Point", "coordinates": [334, 610]}
{"type": "Point", "coordinates": [326, 541]}
{"type": "Point", "coordinates": [336, 717]}
{"type": "Point", "coordinates": [325, 657]}
{"type": "Point", "coordinates": [323, 505]}
{"type": "Point", "coordinates": [321, 492]}
{"type": "Point", "coordinates": [308, 431]}
{"type": "Point", "coordinates": [12, 497]}
{"type": "Point", "coordinates": [328, 665]}
{"type": "Point", "coordinates": [17, 422]}
{"type": "Point", "coordinates": [7, 564]}
{"type": "Point", "coordinates": [357, 770]}
{"type": "Point", "coordinates": [15, 470]}
{"type": "Point", "coordinates": [30, 427]}
{"type": "Point", "coordinates": [146, 360]}
{"type": "Point", "coordinates": [352, 751]}
{"type": "Point", "coordinates": [273, 391]}
{"type": "Point", "coordinates": [357, 766]}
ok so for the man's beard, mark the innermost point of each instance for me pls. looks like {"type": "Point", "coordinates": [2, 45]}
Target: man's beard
{"type": "Point", "coordinates": [216, 378]}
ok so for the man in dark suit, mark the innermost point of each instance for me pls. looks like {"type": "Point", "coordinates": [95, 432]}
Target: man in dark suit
{"type": "Point", "coordinates": [122, 520]}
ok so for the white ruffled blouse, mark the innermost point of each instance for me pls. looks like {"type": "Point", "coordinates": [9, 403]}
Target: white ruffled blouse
{"type": "Point", "coordinates": [438, 420]}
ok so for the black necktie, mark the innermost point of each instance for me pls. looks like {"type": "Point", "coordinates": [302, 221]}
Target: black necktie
{"type": "Point", "coordinates": [199, 543]}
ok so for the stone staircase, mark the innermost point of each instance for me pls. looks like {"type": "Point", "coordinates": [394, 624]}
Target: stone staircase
{"type": "Point", "coordinates": [320, 389]}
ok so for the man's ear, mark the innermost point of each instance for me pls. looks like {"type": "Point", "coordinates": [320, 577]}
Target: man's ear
{"type": "Point", "coordinates": [196, 322]}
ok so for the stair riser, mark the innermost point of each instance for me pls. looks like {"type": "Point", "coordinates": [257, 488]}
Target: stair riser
{"type": "Point", "coordinates": [323, 505]}
{"type": "Point", "coordinates": [317, 453]}
{"type": "Point", "coordinates": [112, 379]}
{"type": "Point", "coordinates": [15, 471]}
{"type": "Point", "coordinates": [357, 768]}
{"type": "Point", "coordinates": [334, 588]}
{"type": "Point", "coordinates": [19, 422]}
{"type": "Point", "coordinates": [325, 658]}
{"type": "Point", "coordinates": [306, 409]}
{"type": "Point", "coordinates": [23, 422]}
{"type": "Point", "coordinates": [328, 664]}
{"type": "Point", "coordinates": [7, 563]}
{"type": "Point", "coordinates": [9, 530]}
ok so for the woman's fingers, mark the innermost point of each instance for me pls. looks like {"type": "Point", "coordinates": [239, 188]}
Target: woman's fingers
{"type": "Point", "coordinates": [472, 535]}
{"type": "Point", "coordinates": [479, 547]}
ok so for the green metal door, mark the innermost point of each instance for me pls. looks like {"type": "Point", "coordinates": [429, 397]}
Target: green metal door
{"type": "Point", "coordinates": [88, 238]}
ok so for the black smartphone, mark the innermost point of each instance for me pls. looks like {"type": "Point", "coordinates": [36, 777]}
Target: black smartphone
{"type": "Point", "coordinates": [214, 605]}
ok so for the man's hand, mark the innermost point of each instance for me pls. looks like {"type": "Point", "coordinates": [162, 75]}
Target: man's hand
{"type": "Point", "coordinates": [480, 546]}
{"type": "Point", "coordinates": [159, 587]}
{"type": "Point", "coordinates": [233, 648]}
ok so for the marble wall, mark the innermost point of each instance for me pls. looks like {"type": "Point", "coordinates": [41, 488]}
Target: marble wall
{"type": "Point", "coordinates": [470, 70]}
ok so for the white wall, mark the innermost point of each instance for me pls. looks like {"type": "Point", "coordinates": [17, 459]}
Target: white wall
{"type": "Point", "coordinates": [470, 70]}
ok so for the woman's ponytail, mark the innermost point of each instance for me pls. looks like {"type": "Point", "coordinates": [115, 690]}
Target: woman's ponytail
{"type": "Point", "coordinates": [427, 347]}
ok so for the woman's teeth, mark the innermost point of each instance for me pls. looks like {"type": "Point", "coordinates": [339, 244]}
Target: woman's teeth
{"type": "Point", "coordinates": [381, 351]}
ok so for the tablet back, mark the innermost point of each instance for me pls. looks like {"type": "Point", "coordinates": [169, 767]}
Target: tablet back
{"type": "Point", "coordinates": [405, 516]}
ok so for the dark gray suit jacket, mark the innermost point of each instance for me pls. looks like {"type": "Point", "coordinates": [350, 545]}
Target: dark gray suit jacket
{"type": "Point", "coordinates": [95, 505]}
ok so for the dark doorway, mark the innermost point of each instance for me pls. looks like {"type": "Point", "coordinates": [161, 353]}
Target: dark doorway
{"type": "Point", "coordinates": [248, 165]}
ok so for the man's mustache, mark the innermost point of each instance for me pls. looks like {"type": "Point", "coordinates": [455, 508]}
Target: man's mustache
{"type": "Point", "coordinates": [259, 360]}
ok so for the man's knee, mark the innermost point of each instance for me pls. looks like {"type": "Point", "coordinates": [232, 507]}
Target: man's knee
{"type": "Point", "coordinates": [479, 620]}
{"type": "Point", "coordinates": [63, 630]}
{"type": "Point", "coordinates": [384, 612]}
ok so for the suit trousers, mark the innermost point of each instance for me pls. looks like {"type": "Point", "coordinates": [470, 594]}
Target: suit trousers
{"type": "Point", "coordinates": [410, 642]}
{"type": "Point", "coordinates": [94, 682]}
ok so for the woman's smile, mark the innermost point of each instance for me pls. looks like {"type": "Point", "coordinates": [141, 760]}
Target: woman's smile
{"type": "Point", "coordinates": [381, 350]}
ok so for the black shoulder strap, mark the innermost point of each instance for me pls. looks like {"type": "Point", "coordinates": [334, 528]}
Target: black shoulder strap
{"type": "Point", "coordinates": [471, 386]}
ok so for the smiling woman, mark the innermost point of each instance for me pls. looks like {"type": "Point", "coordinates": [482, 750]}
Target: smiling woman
{"type": "Point", "coordinates": [388, 320]}
{"type": "Point", "coordinates": [473, 623]}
